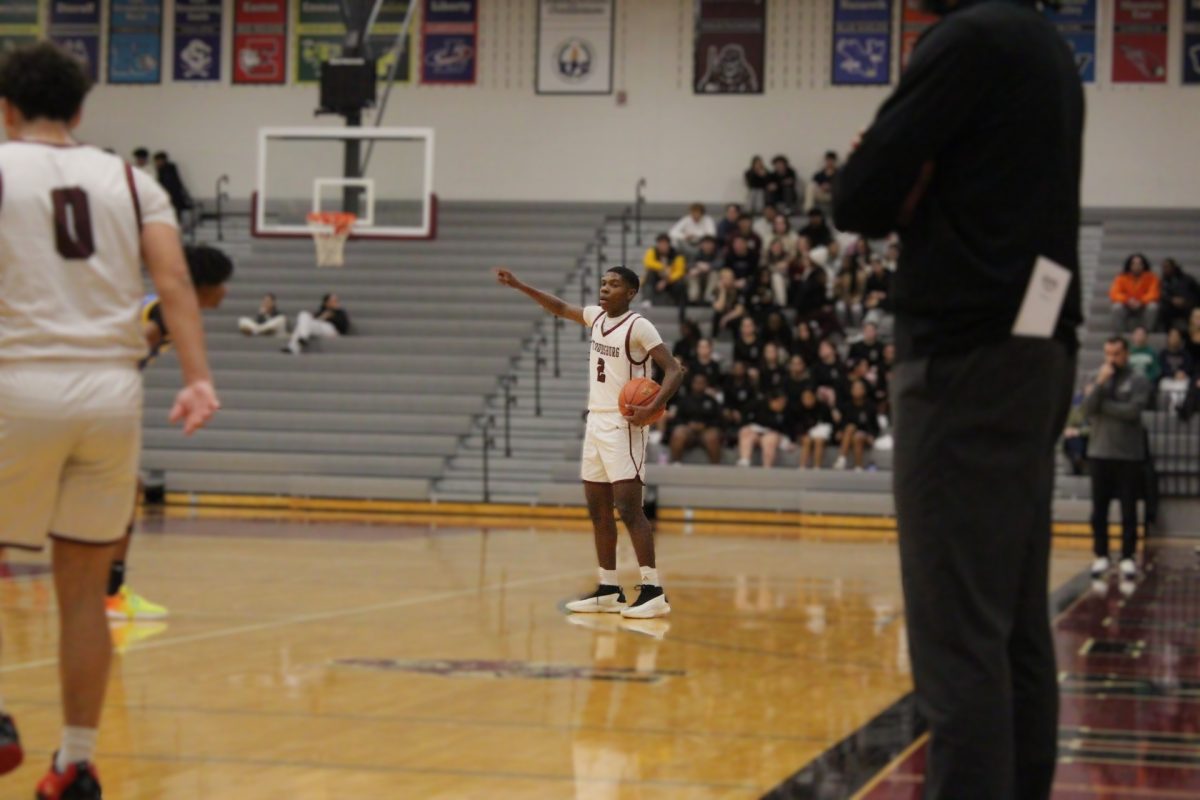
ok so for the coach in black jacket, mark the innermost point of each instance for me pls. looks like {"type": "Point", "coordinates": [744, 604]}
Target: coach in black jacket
{"type": "Point", "coordinates": [976, 160]}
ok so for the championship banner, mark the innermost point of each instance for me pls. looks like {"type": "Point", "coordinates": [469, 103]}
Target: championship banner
{"type": "Point", "coordinates": [913, 25]}
{"type": "Point", "coordinates": [135, 41]}
{"type": "Point", "coordinates": [260, 41]}
{"type": "Point", "coordinates": [1191, 42]}
{"type": "Point", "coordinates": [1140, 41]}
{"type": "Point", "coordinates": [321, 35]}
{"type": "Point", "coordinates": [1076, 21]}
{"type": "Point", "coordinates": [730, 46]}
{"type": "Point", "coordinates": [20, 24]}
{"type": "Point", "coordinates": [449, 41]}
{"type": "Point", "coordinates": [574, 47]}
{"type": "Point", "coordinates": [862, 42]}
{"type": "Point", "coordinates": [197, 40]}
{"type": "Point", "coordinates": [75, 27]}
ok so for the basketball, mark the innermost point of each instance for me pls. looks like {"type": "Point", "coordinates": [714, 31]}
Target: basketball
{"type": "Point", "coordinates": [639, 392]}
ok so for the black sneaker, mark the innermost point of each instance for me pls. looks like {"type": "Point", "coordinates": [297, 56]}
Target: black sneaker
{"type": "Point", "coordinates": [651, 602]}
{"type": "Point", "coordinates": [11, 754]}
{"type": "Point", "coordinates": [605, 600]}
{"type": "Point", "coordinates": [77, 782]}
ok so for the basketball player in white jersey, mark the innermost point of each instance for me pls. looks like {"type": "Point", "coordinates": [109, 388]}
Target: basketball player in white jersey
{"type": "Point", "coordinates": [614, 446]}
{"type": "Point", "coordinates": [75, 225]}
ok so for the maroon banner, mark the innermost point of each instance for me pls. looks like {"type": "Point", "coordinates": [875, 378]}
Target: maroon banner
{"type": "Point", "coordinates": [260, 41]}
{"type": "Point", "coordinates": [913, 24]}
{"type": "Point", "coordinates": [731, 44]}
{"type": "Point", "coordinates": [1140, 31]}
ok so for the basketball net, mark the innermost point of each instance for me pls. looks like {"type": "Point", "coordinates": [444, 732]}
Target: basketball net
{"type": "Point", "coordinates": [330, 230]}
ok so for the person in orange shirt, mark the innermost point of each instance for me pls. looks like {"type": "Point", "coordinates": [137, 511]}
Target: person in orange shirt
{"type": "Point", "coordinates": [1135, 293]}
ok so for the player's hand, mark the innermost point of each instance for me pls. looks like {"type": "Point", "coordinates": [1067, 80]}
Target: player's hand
{"type": "Point", "coordinates": [194, 406]}
{"type": "Point", "coordinates": [506, 278]}
{"type": "Point", "coordinates": [1106, 372]}
{"type": "Point", "coordinates": [641, 415]}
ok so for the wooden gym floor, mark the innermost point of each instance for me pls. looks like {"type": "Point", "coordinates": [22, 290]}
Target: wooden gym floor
{"type": "Point", "coordinates": [315, 659]}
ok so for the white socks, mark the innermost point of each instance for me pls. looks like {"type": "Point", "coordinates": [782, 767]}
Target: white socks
{"type": "Point", "coordinates": [649, 576]}
{"type": "Point", "coordinates": [608, 577]}
{"type": "Point", "coordinates": [78, 744]}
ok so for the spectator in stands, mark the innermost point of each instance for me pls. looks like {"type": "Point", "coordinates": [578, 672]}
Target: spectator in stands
{"type": "Point", "coordinates": [830, 374]}
{"type": "Point", "coordinates": [820, 188]}
{"type": "Point", "coordinates": [330, 321]}
{"type": "Point", "coordinates": [739, 395]}
{"type": "Point", "coordinates": [691, 229]}
{"type": "Point", "coordinates": [869, 348]}
{"type": "Point", "coordinates": [168, 176]}
{"type": "Point", "coordinates": [1192, 341]}
{"type": "Point", "coordinates": [1179, 295]}
{"type": "Point", "coordinates": [748, 347]}
{"type": "Point", "coordinates": [1134, 294]}
{"type": "Point", "coordinates": [756, 178]}
{"type": "Point", "coordinates": [689, 337]}
{"type": "Point", "coordinates": [1117, 451]}
{"type": "Point", "coordinates": [764, 226]}
{"type": "Point", "coordinates": [1142, 358]}
{"type": "Point", "coordinates": [804, 342]}
{"type": "Point", "coordinates": [741, 260]}
{"type": "Point", "coordinates": [817, 231]}
{"type": "Point", "coordinates": [797, 379]}
{"type": "Point", "coordinates": [665, 273]}
{"type": "Point", "coordinates": [776, 331]}
{"type": "Point", "coordinates": [702, 270]}
{"type": "Point", "coordinates": [141, 160]}
{"type": "Point", "coordinates": [1174, 361]}
{"type": "Point", "coordinates": [269, 320]}
{"type": "Point", "coordinates": [849, 289]}
{"type": "Point", "coordinates": [891, 258]}
{"type": "Point", "coordinates": [878, 291]}
{"type": "Point", "coordinates": [768, 428]}
{"type": "Point", "coordinates": [883, 379]}
{"type": "Point", "coordinates": [782, 232]}
{"type": "Point", "coordinates": [813, 303]}
{"type": "Point", "coordinates": [696, 420]}
{"type": "Point", "coordinates": [814, 427]}
{"type": "Point", "coordinates": [705, 363]}
{"type": "Point", "coordinates": [782, 185]}
{"type": "Point", "coordinates": [857, 426]}
{"type": "Point", "coordinates": [772, 373]}
{"type": "Point", "coordinates": [1075, 437]}
{"type": "Point", "coordinates": [779, 262]}
{"type": "Point", "coordinates": [727, 304]}
{"type": "Point", "coordinates": [728, 225]}
{"type": "Point", "coordinates": [754, 242]}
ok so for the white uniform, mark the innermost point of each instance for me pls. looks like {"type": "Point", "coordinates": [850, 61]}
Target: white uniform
{"type": "Point", "coordinates": [70, 340]}
{"type": "Point", "coordinates": [613, 451]}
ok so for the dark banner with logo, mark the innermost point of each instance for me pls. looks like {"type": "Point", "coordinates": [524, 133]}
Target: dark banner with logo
{"type": "Point", "coordinates": [449, 42]}
{"type": "Point", "coordinates": [1076, 21]}
{"type": "Point", "coordinates": [260, 41]}
{"type": "Point", "coordinates": [913, 24]}
{"type": "Point", "coordinates": [197, 40]}
{"type": "Point", "coordinates": [1191, 41]}
{"type": "Point", "coordinates": [862, 42]}
{"type": "Point", "coordinates": [574, 47]}
{"type": "Point", "coordinates": [75, 27]}
{"type": "Point", "coordinates": [730, 46]}
{"type": "Point", "coordinates": [135, 41]}
{"type": "Point", "coordinates": [321, 35]}
{"type": "Point", "coordinates": [1140, 30]}
{"type": "Point", "coordinates": [20, 24]}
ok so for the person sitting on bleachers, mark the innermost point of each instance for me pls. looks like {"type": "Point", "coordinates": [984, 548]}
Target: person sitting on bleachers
{"type": "Point", "coordinates": [739, 394]}
{"type": "Point", "coordinates": [756, 179]}
{"type": "Point", "coordinates": [705, 363]}
{"type": "Point", "coordinates": [772, 371]}
{"type": "Point", "coordinates": [168, 175]}
{"type": "Point", "coordinates": [754, 242]}
{"type": "Point", "coordinates": [776, 330]}
{"type": "Point", "coordinates": [690, 230]}
{"type": "Point", "coordinates": [748, 347]}
{"type": "Point", "coordinates": [741, 260]}
{"type": "Point", "coordinates": [727, 303]}
{"type": "Point", "coordinates": [764, 226]}
{"type": "Point", "coordinates": [781, 231]}
{"type": "Point", "coordinates": [812, 302]}
{"type": "Point", "coordinates": [849, 289]}
{"type": "Point", "coordinates": [883, 379]}
{"type": "Point", "coordinates": [805, 342]}
{"type": "Point", "coordinates": [665, 273]}
{"type": "Point", "coordinates": [769, 428]}
{"type": "Point", "coordinates": [1142, 358]}
{"type": "Point", "coordinates": [814, 427]}
{"type": "Point", "coordinates": [783, 187]}
{"type": "Point", "coordinates": [1179, 294]}
{"type": "Point", "coordinates": [696, 421]}
{"type": "Point", "coordinates": [760, 297]}
{"type": "Point", "coordinates": [1134, 294]}
{"type": "Point", "coordinates": [330, 321]}
{"type": "Point", "coordinates": [877, 292]}
{"type": "Point", "coordinates": [857, 426]}
{"type": "Point", "coordinates": [830, 375]}
{"type": "Point", "coordinates": [702, 270]}
{"type": "Point", "coordinates": [728, 225]}
{"type": "Point", "coordinates": [268, 321]}
{"type": "Point", "coordinates": [1174, 361]}
{"type": "Point", "coordinates": [779, 262]}
{"type": "Point", "coordinates": [684, 349]}
{"type": "Point", "coordinates": [868, 348]}
{"type": "Point", "coordinates": [798, 379]}
{"type": "Point", "coordinates": [817, 231]}
{"type": "Point", "coordinates": [820, 188]}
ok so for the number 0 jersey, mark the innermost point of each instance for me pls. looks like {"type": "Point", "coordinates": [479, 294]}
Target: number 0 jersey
{"type": "Point", "coordinates": [70, 253]}
{"type": "Point", "coordinates": [620, 351]}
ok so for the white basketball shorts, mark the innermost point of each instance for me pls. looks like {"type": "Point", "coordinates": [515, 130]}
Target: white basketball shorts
{"type": "Point", "coordinates": [70, 439]}
{"type": "Point", "coordinates": [613, 451]}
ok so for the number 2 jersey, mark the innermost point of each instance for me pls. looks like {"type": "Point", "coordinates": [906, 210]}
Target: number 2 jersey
{"type": "Point", "coordinates": [70, 253]}
{"type": "Point", "coordinates": [620, 351]}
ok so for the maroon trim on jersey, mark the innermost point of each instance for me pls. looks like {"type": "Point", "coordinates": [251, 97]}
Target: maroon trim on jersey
{"type": "Point", "coordinates": [636, 466]}
{"type": "Point", "coordinates": [137, 204]}
{"type": "Point", "coordinates": [629, 353]}
{"type": "Point", "coordinates": [60, 145]}
{"type": "Point", "coordinates": [58, 537]}
{"type": "Point", "coordinates": [616, 327]}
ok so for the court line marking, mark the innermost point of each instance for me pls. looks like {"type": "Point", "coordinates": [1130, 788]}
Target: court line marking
{"type": "Point", "coordinates": [323, 616]}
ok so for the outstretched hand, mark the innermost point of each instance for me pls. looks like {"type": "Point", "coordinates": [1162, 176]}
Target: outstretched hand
{"type": "Point", "coordinates": [506, 278]}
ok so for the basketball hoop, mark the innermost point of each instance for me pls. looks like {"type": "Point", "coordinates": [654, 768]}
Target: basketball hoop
{"type": "Point", "coordinates": [330, 230]}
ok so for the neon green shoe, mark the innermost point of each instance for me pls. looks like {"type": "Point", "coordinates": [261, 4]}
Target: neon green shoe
{"type": "Point", "coordinates": [128, 604]}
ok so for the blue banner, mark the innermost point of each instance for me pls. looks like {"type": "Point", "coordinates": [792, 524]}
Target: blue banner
{"type": "Point", "coordinates": [75, 27]}
{"type": "Point", "coordinates": [197, 52]}
{"type": "Point", "coordinates": [1191, 42]}
{"type": "Point", "coordinates": [135, 41]}
{"type": "Point", "coordinates": [862, 42]}
{"type": "Point", "coordinates": [449, 41]}
{"type": "Point", "coordinates": [1076, 21]}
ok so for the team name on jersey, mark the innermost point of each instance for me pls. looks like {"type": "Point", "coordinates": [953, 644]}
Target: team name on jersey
{"type": "Point", "coordinates": [606, 350]}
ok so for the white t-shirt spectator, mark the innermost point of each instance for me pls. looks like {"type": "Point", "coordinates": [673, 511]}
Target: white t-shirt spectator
{"type": "Point", "coordinates": [688, 231]}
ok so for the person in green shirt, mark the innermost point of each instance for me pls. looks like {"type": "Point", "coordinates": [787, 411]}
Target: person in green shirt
{"type": "Point", "coordinates": [1142, 357]}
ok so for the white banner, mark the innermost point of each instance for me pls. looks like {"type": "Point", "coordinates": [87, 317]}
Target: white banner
{"type": "Point", "coordinates": [575, 47]}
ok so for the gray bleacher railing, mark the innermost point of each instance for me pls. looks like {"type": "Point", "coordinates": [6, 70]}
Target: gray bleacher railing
{"type": "Point", "coordinates": [557, 326]}
{"type": "Point", "coordinates": [506, 383]}
{"type": "Point", "coordinates": [489, 441]}
{"type": "Point", "coordinates": [538, 363]}
{"type": "Point", "coordinates": [222, 196]}
{"type": "Point", "coordinates": [638, 203]}
{"type": "Point", "coordinates": [1175, 449]}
